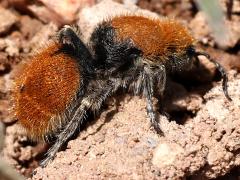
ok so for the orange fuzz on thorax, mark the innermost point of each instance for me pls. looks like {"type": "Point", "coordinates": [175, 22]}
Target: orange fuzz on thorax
{"type": "Point", "coordinates": [44, 88]}
{"type": "Point", "coordinates": [155, 37]}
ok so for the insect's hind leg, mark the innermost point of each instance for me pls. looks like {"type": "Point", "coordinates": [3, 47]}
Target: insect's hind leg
{"type": "Point", "coordinates": [90, 102]}
{"type": "Point", "coordinates": [67, 133]}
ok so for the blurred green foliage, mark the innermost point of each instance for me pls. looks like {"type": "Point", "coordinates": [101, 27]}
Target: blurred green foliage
{"type": "Point", "coordinates": [215, 17]}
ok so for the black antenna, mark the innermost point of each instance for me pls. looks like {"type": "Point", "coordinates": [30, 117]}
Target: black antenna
{"type": "Point", "coordinates": [221, 70]}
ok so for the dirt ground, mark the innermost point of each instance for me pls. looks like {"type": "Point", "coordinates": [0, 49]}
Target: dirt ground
{"type": "Point", "coordinates": [201, 139]}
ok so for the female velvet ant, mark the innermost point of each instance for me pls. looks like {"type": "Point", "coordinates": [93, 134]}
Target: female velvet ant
{"type": "Point", "coordinates": [56, 88]}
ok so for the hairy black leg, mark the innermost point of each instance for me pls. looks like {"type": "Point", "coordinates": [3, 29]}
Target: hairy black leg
{"type": "Point", "coordinates": [69, 36]}
{"type": "Point", "coordinates": [148, 92]}
{"type": "Point", "coordinates": [92, 101]}
{"type": "Point", "coordinates": [221, 70]}
{"type": "Point", "coordinates": [161, 78]}
{"type": "Point", "coordinates": [99, 95]}
{"type": "Point", "coordinates": [62, 138]}
{"type": "Point", "coordinates": [141, 79]}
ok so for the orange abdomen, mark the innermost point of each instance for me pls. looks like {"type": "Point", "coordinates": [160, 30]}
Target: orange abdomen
{"type": "Point", "coordinates": [44, 88]}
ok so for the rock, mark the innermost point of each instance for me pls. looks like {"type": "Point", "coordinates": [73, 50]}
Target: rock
{"type": "Point", "coordinates": [67, 9]}
{"type": "Point", "coordinates": [29, 26]}
{"type": "Point", "coordinates": [207, 144]}
{"type": "Point", "coordinates": [229, 39]}
{"type": "Point", "coordinates": [58, 12]}
{"type": "Point", "coordinates": [12, 48]}
{"type": "Point", "coordinates": [42, 37]}
{"type": "Point", "coordinates": [121, 144]}
{"type": "Point", "coordinates": [4, 112]}
{"type": "Point", "coordinates": [4, 66]}
{"type": "Point", "coordinates": [88, 18]}
{"type": "Point", "coordinates": [7, 20]}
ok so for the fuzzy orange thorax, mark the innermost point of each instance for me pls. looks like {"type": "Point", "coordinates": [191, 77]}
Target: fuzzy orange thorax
{"type": "Point", "coordinates": [155, 37]}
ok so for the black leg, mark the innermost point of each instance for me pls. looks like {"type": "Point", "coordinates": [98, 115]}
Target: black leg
{"type": "Point", "coordinates": [67, 133]}
{"type": "Point", "coordinates": [161, 78]}
{"type": "Point", "coordinates": [91, 102]}
{"type": "Point", "coordinates": [221, 70]}
{"type": "Point", "coordinates": [148, 92]}
{"type": "Point", "coordinates": [69, 36]}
